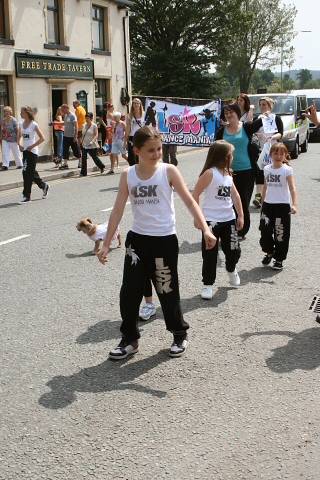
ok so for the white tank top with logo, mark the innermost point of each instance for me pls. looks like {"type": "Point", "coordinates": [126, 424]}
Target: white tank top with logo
{"type": "Point", "coordinates": [217, 205]}
{"type": "Point", "coordinates": [29, 136]}
{"type": "Point", "coordinates": [152, 203]}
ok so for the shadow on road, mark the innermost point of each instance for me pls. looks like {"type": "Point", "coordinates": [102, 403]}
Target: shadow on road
{"type": "Point", "coordinates": [106, 377]}
{"type": "Point", "coordinates": [100, 332]}
{"type": "Point", "coordinates": [302, 351]}
{"type": "Point", "coordinates": [9, 205]}
{"type": "Point", "coordinates": [196, 302]}
{"type": "Point", "coordinates": [257, 275]}
{"type": "Point", "coordinates": [110, 189]}
{"type": "Point", "coordinates": [80, 255]}
{"type": "Point", "coordinates": [187, 247]}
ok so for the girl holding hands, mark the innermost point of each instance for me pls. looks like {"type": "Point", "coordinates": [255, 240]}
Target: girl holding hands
{"type": "Point", "coordinates": [275, 221]}
{"type": "Point", "coordinates": [219, 197]}
{"type": "Point", "coordinates": [151, 244]}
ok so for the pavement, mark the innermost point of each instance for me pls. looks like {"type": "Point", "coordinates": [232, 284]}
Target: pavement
{"type": "Point", "coordinates": [242, 404]}
{"type": "Point", "coordinates": [12, 178]}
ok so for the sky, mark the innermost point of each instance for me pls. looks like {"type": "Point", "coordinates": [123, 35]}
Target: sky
{"type": "Point", "coordinates": [307, 45]}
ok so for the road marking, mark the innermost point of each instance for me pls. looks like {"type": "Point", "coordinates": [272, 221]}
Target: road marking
{"type": "Point", "coordinates": [14, 239]}
{"type": "Point", "coordinates": [111, 208]}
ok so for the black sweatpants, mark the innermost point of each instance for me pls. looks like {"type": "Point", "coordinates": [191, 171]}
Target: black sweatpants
{"type": "Point", "coordinates": [70, 142]}
{"type": "Point", "coordinates": [244, 183]}
{"type": "Point", "coordinates": [227, 232]}
{"type": "Point", "coordinates": [155, 258]}
{"type": "Point", "coordinates": [30, 173]}
{"type": "Point", "coordinates": [93, 152]}
{"type": "Point", "coordinates": [275, 225]}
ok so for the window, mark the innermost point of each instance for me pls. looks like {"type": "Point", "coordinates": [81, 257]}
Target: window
{"type": "Point", "coordinates": [53, 22]}
{"type": "Point", "coordinates": [102, 91]}
{"type": "Point", "coordinates": [98, 28]}
{"type": "Point", "coordinates": [4, 94]}
{"type": "Point", "coordinates": [2, 23]}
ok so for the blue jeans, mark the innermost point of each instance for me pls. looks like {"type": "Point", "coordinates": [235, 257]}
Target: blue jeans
{"type": "Point", "coordinates": [59, 137]}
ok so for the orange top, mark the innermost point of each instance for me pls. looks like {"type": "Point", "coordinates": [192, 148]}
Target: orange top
{"type": "Point", "coordinates": [81, 116]}
{"type": "Point", "coordinates": [58, 125]}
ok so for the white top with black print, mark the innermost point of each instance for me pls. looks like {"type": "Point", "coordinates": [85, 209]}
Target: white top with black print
{"type": "Point", "coordinates": [217, 203]}
{"type": "Point", "coordinates": [277, 184]}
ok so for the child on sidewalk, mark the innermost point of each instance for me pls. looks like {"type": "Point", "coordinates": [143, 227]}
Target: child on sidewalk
{"type": "Point", "coordinates": [275, 218]}
{"type": "Point", "coordinates": [220, 195]}
{"type": "Point", "coordinates": [151, 244]}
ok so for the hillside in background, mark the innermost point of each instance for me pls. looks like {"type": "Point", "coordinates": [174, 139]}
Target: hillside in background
{"type": "Point", "coordinates": [293, 74]}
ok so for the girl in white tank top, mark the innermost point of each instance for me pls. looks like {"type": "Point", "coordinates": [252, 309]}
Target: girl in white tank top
{"type": "Point", "coordinates": [151, 244]}
{"type": "Point", "coordinates": [220, 196]}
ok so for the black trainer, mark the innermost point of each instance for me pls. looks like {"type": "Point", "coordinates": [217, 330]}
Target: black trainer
{"type": "Point", "coordinates": [179, 345]}
{"type": "Point", "coordinates": [267, 259]}
{"type": "Point", "coordinates": [45, 190]}
{"type": "Point", "coordinates": [277, 265]}
{"type": "Point", "coordinates": [123, 350]}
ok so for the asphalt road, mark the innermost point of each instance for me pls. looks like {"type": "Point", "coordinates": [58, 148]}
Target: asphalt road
{"type": "Point", "coordinates": [242, 404]}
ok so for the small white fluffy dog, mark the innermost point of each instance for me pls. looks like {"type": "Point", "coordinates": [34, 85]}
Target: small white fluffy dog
{"type": "Point", "coordinates": [97, 233]}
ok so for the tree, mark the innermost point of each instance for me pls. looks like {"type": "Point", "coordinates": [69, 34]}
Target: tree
{"type": "Point", "coordinates": [313, 84]}
{"type": "Point", "coordinates": [261, 78]}
{"type": "Point", "coordinates": [170, 47]}
{"type": "Point", "coordinates": [262, 34]}
{"type": "Point", "coordinates": [304, 76]}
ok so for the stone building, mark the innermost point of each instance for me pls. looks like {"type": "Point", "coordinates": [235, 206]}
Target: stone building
{"type": "Point", "coordinates": [54, 51]}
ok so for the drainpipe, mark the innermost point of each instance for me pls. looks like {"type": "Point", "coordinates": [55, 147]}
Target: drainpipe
{"type": "Point", "coordinates": [125, 19]}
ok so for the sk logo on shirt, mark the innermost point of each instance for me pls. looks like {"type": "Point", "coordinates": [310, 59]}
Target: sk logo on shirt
{"type": "Point", "coordinates": [224, 191]}
{"type": "Point", "coordinates": [272, 178]}
{"type": "Point", "coordinates": [144, 191]}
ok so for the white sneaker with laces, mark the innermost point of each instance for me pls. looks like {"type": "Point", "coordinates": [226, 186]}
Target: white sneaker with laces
{"type": "Point", "coordinates": [147, 311]}
{"type": "Point", "coordinates": [234, 278]}
{"type": "Point", "coordinates": [207, 292]}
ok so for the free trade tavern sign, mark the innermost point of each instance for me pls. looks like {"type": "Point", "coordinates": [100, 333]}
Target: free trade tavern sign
{"type": "Point", "coordinates": [45, 66]}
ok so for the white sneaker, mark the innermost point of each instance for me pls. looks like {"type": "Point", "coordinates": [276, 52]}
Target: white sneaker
{"type": "Point", "coordinates": [207, 292]}
{"type": "Point", "coordinates": [234, 278]}
{"type": "Point", "coordinates": [147, 311]}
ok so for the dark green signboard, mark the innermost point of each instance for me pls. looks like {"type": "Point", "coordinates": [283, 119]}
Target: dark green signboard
{"type": "Point", "coordinates": [29, 65]}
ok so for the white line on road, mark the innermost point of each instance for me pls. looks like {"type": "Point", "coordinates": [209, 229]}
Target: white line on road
{"type": "Point", "coordinates": [110, 208]}
{"type": "Point", "coordinates": [14, 239]}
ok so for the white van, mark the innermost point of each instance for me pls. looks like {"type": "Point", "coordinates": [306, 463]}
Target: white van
{"type": "Point", "coordinates": [290, 107]}
{"type": "Point", "coordinates": [313, 98]}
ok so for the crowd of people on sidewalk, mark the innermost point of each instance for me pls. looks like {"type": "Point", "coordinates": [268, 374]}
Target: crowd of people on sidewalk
{"type": "Point", "coordinates": [76, 131]}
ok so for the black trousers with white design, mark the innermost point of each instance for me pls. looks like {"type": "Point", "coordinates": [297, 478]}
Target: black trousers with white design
{"type": "Point", "coordinates": [30, 173]}
{"type": "Point", "coordinates": [155, 258]}
{"type": "Point", "coordinates": [275, 225]}
{"type": "Point", "coordinates": [227, 233]}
